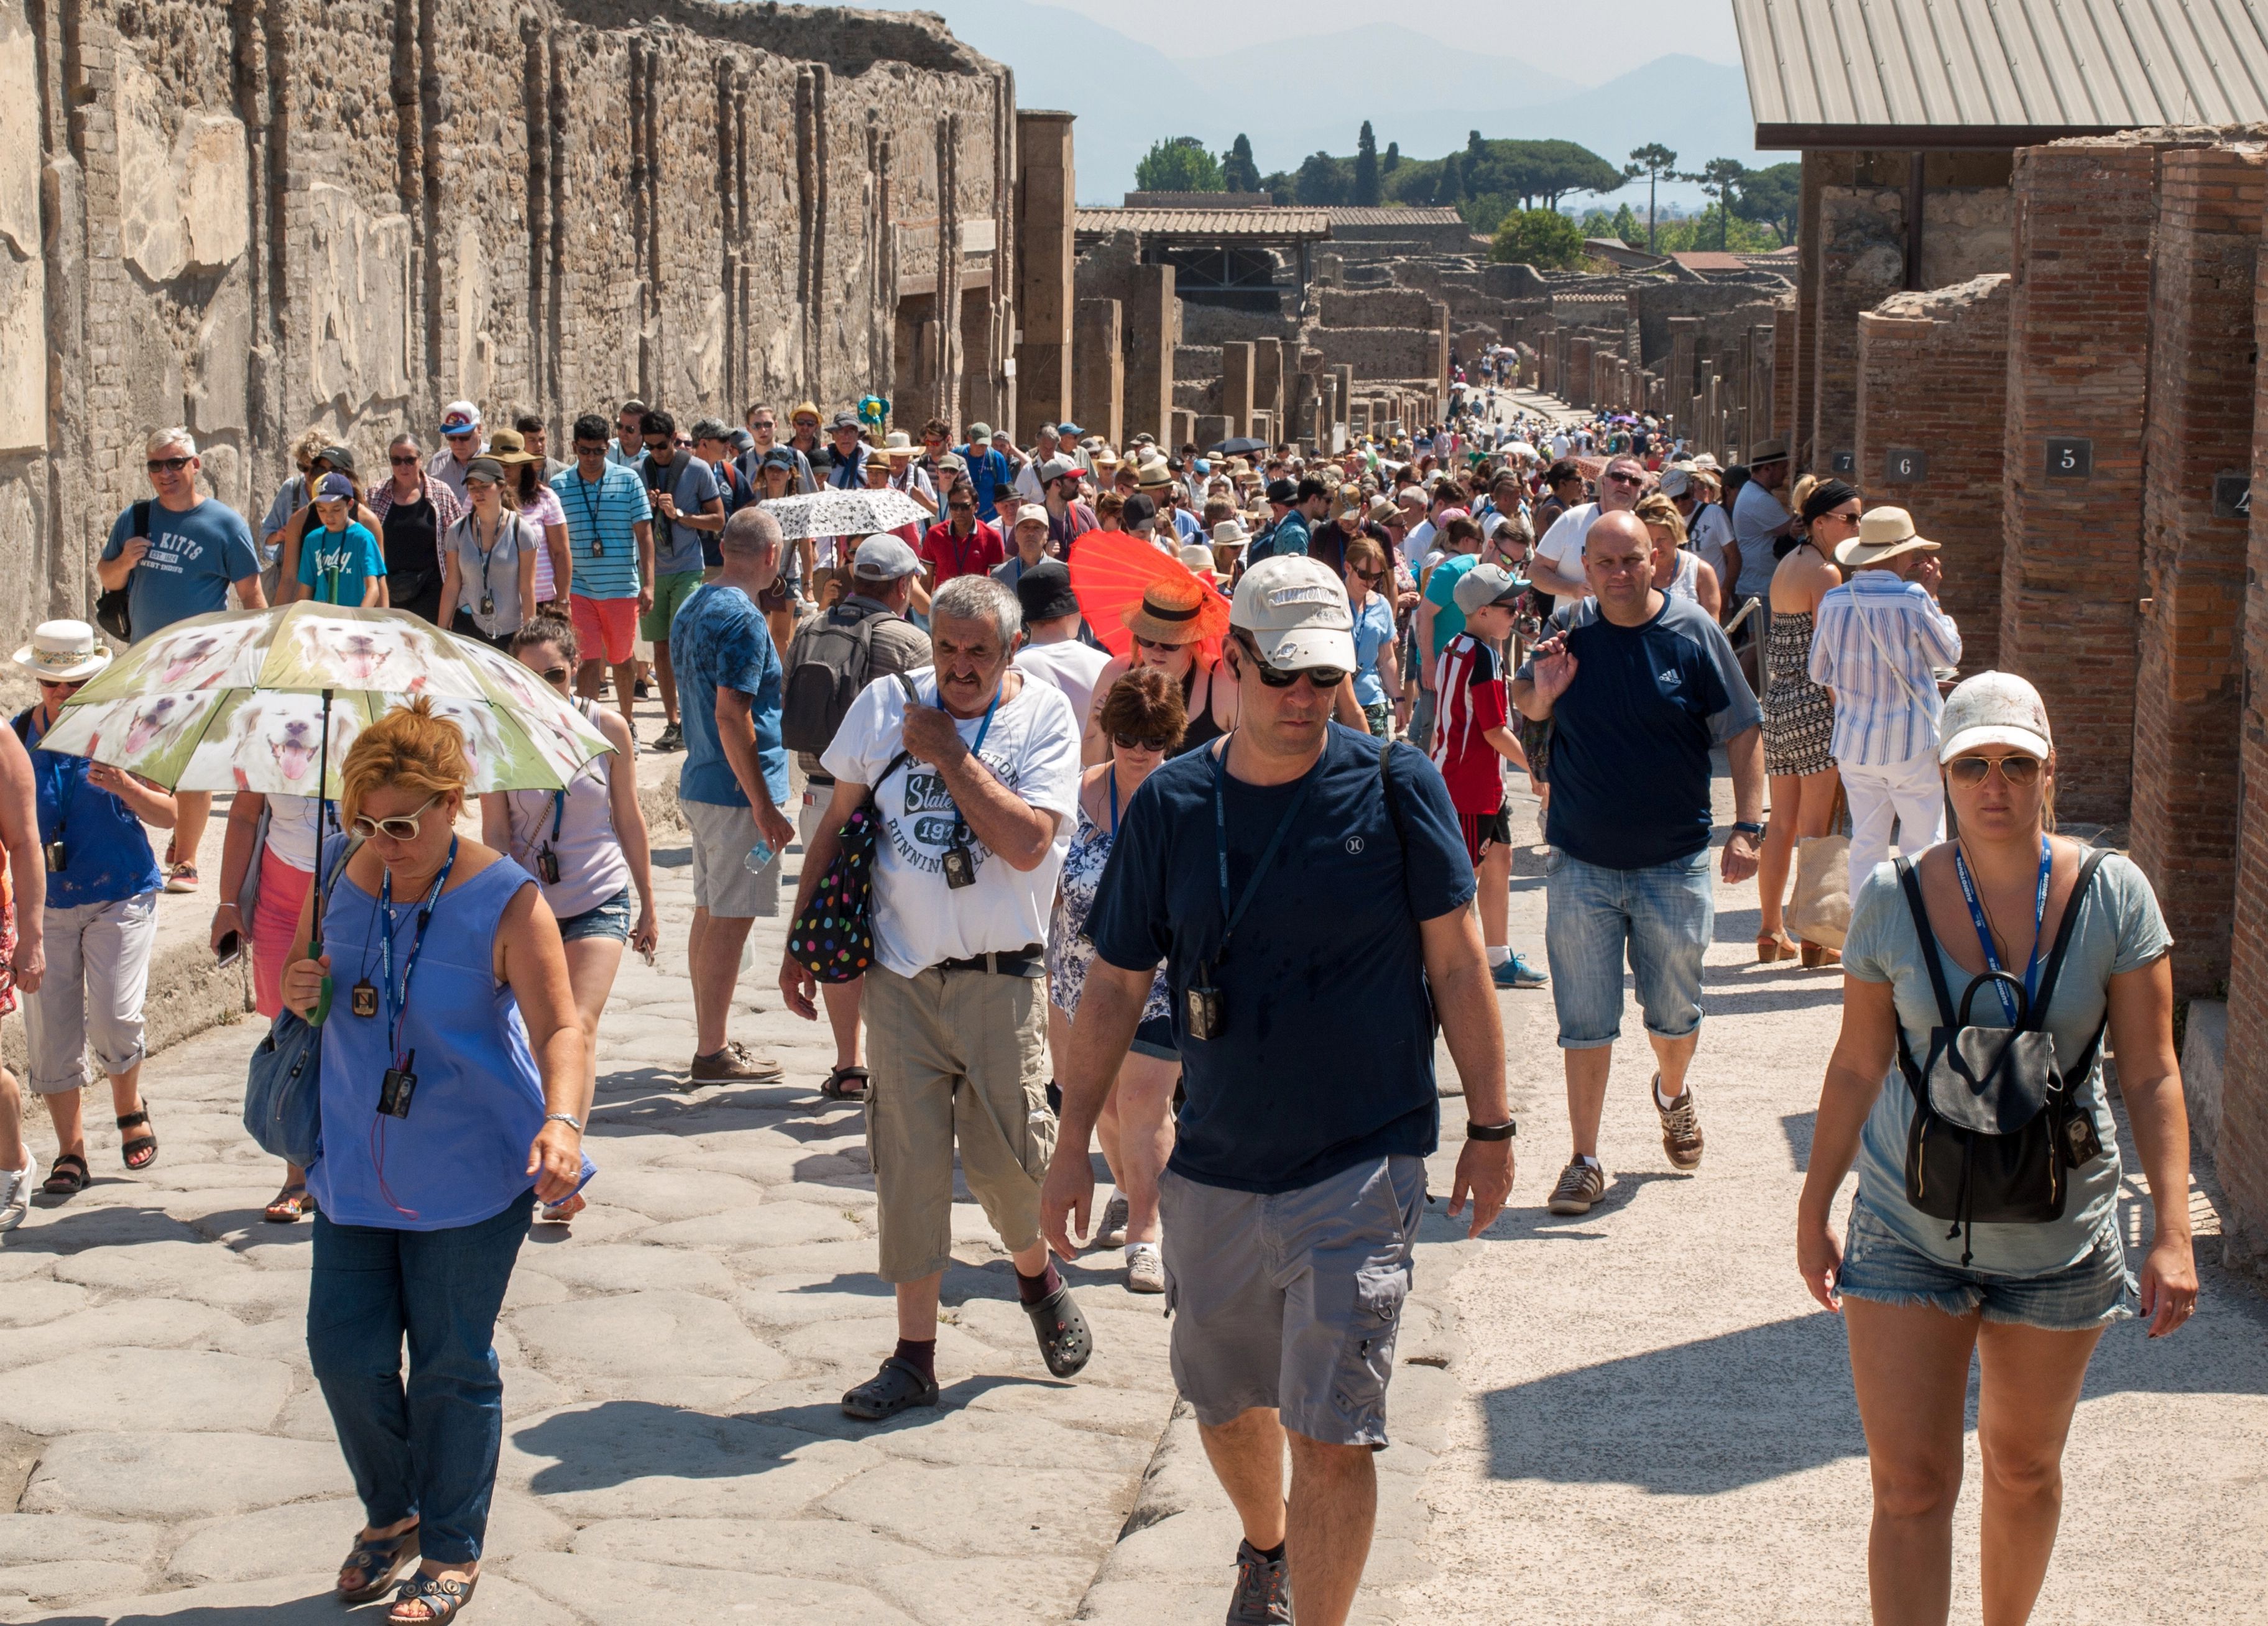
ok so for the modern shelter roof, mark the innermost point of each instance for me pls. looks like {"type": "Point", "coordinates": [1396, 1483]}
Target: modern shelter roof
{"type": "Point", "coordinates": [1931, 74]}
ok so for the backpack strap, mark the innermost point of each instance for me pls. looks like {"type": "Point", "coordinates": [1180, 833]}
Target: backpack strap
{"type": "Point", "coordinates": [142, 519]}
{"type": "Point", "coordinates": [1910, 878]}
{"type": "Point", "coordinates": [913, 698]}
{"type": "Point", "coordinates": [2086, 868]}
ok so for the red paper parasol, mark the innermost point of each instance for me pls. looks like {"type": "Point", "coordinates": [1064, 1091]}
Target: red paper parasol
{"type": "Point", "coordinates": [1110, 572]}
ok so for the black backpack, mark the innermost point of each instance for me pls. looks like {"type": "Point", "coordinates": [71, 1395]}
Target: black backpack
{"type": "Point", "coordinates": [828, 662]}
{"type": "Point", "coordinates": [1995, 1131]}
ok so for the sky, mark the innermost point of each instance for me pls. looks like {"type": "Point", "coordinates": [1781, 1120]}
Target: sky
{"type": "Point", "coordinates": [1301, 75]}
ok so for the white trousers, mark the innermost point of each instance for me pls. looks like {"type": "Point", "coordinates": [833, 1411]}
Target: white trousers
{"type": "Point", "coordinates": [1907, 792]}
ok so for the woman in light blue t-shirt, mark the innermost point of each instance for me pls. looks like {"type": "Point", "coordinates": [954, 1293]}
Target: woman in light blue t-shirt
{"type": "Point", "coordinates": [2030, 1299]}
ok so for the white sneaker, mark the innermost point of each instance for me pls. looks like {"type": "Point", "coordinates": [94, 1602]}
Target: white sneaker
{"type": "Point", "coordinates": [1111, 1231]}
{"type": "Point", "coordinates": [15, 1196]}
{"type": "Point", "coordinates": [1145, 1269]}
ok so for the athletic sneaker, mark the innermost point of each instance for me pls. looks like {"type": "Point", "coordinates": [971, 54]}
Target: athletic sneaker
{"type": "Point", "coordinates": [1580, 1185]}
{"type": "Point", "coordinates": [1145, 1269]}
{"type": "Point", "coordinates": [15, 1196]}
{"type": "Point", "coordinates": [183, 878]}
{"type": "Point", "coordinates": [1264, 1590]}
{"type": "Point", "coordinates": [1681, 1129]}
{"type": "Point", "coordinates": [671, 738]}
{"type": "Point", "coordinates": [1517, 973]}
{"type": "Point", "coordinates": [1112, 1231]}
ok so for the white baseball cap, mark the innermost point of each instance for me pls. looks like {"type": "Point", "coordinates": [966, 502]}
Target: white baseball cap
{"type": "Point", "coordinates": [1296, 611]}
{"type": "Point", "coordinates": [1994, 708]}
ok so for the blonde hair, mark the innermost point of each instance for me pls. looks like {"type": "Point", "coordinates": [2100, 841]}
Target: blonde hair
{"type": "Point", "coordinates": [310, 445]}
{"type": "Point", "coordinates": [1658, 510]}
{"type": "Point", "coordinates": [1801, 495]}
{"type": "Point", "coordinates": [411, 746]}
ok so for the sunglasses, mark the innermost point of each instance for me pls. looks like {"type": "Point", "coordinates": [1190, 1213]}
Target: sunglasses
{"type": "Point", "coordinates": [1139, 742]}
{"type": "Point", "coordinates": [1323, 678]}
{"type": "Point", "coordinates": [399, 461]}
{"type": "Point", "coordinates": [2019, 771]}
{"type": "Point", "coordinates": [658, 443]}
{"type": "Point", "coordinates": [1373, 577]}
{"type": "Point", "coordinates": [1152, 643]}
{"type": "Point", "coordinates": [590, 448]}
{"type": "Point", "coordinates": [456, 434]}
{"type": "Point", "coordinates": [1626, 480]}
{"type": "Point", "coordinates": [557, 675]}
{"type": "Point", "coordinates": [167, 465]}
{"type": "Point", "coordinates": [962, 508]}
{"type": "Point", "coordinates": [67, 685]}
{"type": "Point", "coordinates": [402, 827]}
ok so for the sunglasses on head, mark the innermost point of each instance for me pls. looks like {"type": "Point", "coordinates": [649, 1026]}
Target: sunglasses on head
{"type": "Point", "coordinates": [1973, 770]}
{"type": "Point", "coordinates": [1325, 679]}
{"type": "Point", "coordinates": [401, 827]}
{"type": "Point", "coordinates": [1139, 742]}
{"type": "Point", "coordinates": [167, 465]}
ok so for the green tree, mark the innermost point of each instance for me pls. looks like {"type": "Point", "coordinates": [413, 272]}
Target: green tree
{"type": "Point", "coordinates": [1392, 161]}
{"type": "Point", "coordinates": [1538, 172]}
{"type": "Point", "coordinates": [1718, 180]}
{"type": "Point", "coordinates": [1178, 164]}
{"type": "Point", "coordinates": [1238, 172]}
{"type": "Point", "coordinates": [1452, 190]}
{"type": "Point", "coordinates": [1654, 161]}
{"type": "Point", "coordinates": [1542, 238]}
{"type": "Point", "coordinates": [1324, 179]}
{"type": "Point", "coordinates": [1365, 167]}
{"type": "Point", "coordinates": [1625, 224]}
{"type": "Point", "coordinates": [1770, 197]}
{"type": "Point", "coordinates": [1281, 184]}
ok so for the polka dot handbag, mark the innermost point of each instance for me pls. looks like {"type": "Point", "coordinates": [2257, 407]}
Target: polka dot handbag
{"type": "Point", "coordinates": [833, 936]}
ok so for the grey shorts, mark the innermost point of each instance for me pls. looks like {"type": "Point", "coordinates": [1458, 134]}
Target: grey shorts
{"type": "Point", "coordinates": [1292, 1301]}
{"type": "Point", "coordinates": [722, 838]}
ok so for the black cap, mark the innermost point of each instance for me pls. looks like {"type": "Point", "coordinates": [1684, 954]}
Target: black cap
{"type": "Point", "coordinates": [1045, 592]}
{"type": "Point", "coordinates": [1138, 510]}
{"type": "Point", "coordinates": [1282, 491]}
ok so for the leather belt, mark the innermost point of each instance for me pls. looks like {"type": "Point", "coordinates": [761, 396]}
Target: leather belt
{"type": "Point", "coordinates": [1029, 961]}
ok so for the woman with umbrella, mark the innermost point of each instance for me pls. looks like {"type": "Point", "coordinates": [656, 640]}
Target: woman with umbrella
{"type": "Point", "coordinates": [1176, 625]}
{"type": "Point", "coordinates": [454, 1091]}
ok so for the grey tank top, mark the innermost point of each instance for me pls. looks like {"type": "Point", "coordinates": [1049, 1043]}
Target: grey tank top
{"type": "Point", "coordinates": [592, 864]}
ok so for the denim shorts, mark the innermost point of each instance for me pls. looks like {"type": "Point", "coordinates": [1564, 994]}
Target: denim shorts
{"type": "Point", "coordinates": [610, 919]}
{"type": "Point", "coordinates": [1881, 1268]}
{"type": "Point", "coordinates": [1662, 917]}
{"type": "Point", "coordinates": [1154, 1038]}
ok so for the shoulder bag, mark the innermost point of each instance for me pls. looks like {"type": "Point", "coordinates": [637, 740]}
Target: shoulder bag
{"type": "Point", "coordinates": [283, 1087]}
{"type": "Point", "coordinates": [111, 608]}
{"type": "Point", "coordinates": [832, 936]}
{"type": "Point", "coordinates": [1995, 1131]}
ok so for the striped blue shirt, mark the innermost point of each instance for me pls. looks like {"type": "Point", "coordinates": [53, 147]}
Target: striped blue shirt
{"type": "Point", "coordinates": [603, 514]}
{"type": "Point", "coordinates": [1877, 636]}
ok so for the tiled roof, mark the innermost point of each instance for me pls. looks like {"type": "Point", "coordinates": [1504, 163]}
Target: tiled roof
{"type": "Point", "coordinates": [1272, 223]}
{"type": "Point", "coordinates": [1706, 259]}
{"type": "Point", "coordinates": [1443, 216]}
{"type": "Point", "coordinates": [1996, 72]}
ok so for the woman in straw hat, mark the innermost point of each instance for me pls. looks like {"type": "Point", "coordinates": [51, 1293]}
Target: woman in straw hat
{"type": "Point", "coordinates": [1171, 624]}
{"type": "Point", "coordinates": [100, 918]}
{"type": "Point", "coordinates": [539, 506]}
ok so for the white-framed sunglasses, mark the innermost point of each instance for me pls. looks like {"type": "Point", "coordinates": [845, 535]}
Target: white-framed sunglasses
{"type": "Point", "coordinates": [401, 827]}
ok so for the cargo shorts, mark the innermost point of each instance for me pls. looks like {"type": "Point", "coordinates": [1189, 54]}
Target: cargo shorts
{"type": "Point", "coordinates": [1291, 1300]}
{"type": "Point", "coordinates": [960, 1059]}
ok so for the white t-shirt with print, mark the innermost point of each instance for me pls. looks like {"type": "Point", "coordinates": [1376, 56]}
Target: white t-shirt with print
{"type": "Point", "coordinates": [1032, 748]}
{"type": "Point", "coordinates": [1561, 547]}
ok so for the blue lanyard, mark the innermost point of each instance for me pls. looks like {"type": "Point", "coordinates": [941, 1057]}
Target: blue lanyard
{"type": "Point", "coordinates": [1114, 804]}
{"type": "Point", "coordinates": [1230, 916]}
{"type": "Point", "coordinates": [397, 1005]}
{"type": "Point", "coordinates": [558, 811]}
{"type": "Point", "coordinates": [1985, 932]}
{"type": "Point", "coordinates": [960, 824]}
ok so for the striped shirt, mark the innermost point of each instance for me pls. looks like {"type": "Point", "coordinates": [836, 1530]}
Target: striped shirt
{"type": "Point", "coordinates": [1876, 638]}
{"type": "Point", "coordinates": [602, 515]}
{"type": "Point", "coordinates": [1469, 680]}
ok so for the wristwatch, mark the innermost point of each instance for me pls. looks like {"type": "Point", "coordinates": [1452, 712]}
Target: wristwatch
{"type": "Point", "coordinates": [1505, 1130]}
{"type": "Point", "coordinates": [567, 1118]}
{"type": "Point", "coordinates": [1746, 828]}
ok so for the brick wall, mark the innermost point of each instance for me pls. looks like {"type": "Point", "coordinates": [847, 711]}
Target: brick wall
{"type": "Point", "coordinates": [1785, 365]}
{"type": "Point", "coordinates": [1861, 259]}
{"type": "Point", "coordinates": [2189, 688]}
{"type": "Point", "coordinates": [1932, 369]}
{"type": "Point", "coordinates": [2079, 337]}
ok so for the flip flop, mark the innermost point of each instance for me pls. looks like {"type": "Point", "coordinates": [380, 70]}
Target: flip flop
{"type": "Point", "coordinates": [898, 1387]}
{"type": "Point", "coordinates": [1065, 1344]}
{"type": "Point", "coordinates": [288, 1207]}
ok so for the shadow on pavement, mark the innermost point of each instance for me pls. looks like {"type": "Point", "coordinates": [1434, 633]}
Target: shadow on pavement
{"type": "Point", "coordinates": [74, 1228]}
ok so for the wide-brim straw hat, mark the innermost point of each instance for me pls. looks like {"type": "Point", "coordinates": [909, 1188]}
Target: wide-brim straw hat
{"type": "Point", "coordinates": [1171, 612]}
{"type": "Point", "coordinates": [1883, 534]}
{"type": "Point", "coordinates": [898, 446]}
{"type": "Point", "coordinates": [509, 448]}
{"type": "Point", "coordinates": [63, 651]}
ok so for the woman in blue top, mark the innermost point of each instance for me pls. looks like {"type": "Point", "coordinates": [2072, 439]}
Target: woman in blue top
{"type": "Point", "coordinates": [2028, 1298]}
{"type": "Point", "coordinates": [1378, 663]}
{"type": "Point", "coordinates": [340, 560]}
{"type": "Point", "coordinates": [100, 918]}
{"type": "Point", "coordinates": [454, 1093]}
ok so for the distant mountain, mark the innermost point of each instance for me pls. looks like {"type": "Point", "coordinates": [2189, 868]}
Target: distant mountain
{"type": "Point", "coordinates": [1378, 72]}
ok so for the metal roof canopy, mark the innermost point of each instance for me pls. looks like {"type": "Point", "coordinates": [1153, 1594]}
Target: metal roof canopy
{"type": "Point", "coordinates": [1947, 74]}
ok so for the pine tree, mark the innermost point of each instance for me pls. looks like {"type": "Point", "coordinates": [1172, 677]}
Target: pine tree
{"type": "Point", "coordinates": [1365, 167]}
{"type": "Point", "coordinates": [1392, 161]}
{"type": "Point", "coordinates": [1237, 169]}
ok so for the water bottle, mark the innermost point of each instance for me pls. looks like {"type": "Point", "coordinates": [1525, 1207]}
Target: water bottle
{"type": "Point", "coordinates": [759, 857]}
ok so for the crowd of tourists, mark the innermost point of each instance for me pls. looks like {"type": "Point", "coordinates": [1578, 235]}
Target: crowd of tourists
{"type": "Point", "coordinates": [1198, 869]}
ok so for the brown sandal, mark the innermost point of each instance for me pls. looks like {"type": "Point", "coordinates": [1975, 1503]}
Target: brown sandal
{"type": "Point", "coordinates": [1774, 946]}
{"type": "Point", "coordinates": [137, 1152]}
{"type": "Point", "coordinates": [67, 1182]}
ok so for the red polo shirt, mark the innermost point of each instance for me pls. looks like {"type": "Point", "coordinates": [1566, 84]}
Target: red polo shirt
{"type": "Point", "coordinates": [948, 555]}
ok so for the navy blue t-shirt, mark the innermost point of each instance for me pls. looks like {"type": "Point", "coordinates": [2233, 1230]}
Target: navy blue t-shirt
{"type": "Point", "coordinates": [1631, 737]}
{"type": "Point", "coordinates": [1326, 1060]}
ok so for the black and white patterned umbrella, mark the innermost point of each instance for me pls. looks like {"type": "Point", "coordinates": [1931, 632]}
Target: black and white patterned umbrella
{"type": "Point", "coordinates": [845, 513]}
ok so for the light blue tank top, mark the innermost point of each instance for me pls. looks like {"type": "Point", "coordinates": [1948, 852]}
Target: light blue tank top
{"type": "Point", "coordinates": [461, 1156]}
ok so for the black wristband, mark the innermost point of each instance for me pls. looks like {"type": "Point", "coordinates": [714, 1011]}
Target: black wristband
{"type": "Point", "coordinates": [1746, 828]}
{"type": "Point", "coordinates": [1491, 1131]}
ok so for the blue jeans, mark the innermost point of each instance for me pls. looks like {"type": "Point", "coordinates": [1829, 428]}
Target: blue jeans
{"type": "Point", "coordinates": [430, 1450]}
{"type": "Point", "coordinates": [1663, 916]}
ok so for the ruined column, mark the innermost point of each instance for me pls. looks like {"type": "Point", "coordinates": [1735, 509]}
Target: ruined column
{"type": "Point", "coordinates": [1236, 386]}
{"type": "Point", "coordinates": [1099, 378]}
{"type": "Point", "coordinates": [2189, 691]}
{"type": "Point", "coordinates": [1150, 324]}
{"type": "Point", "coordinates": [1578, 373]}
{"type": "Point", "coordinates": [1785, 363]}
{"type": "Point", "coordinates": [1268, 380]}
{"type": "Point", "coordinates": [1045, 384]}
{"type": "Point", "coordinates": [1684, 334]}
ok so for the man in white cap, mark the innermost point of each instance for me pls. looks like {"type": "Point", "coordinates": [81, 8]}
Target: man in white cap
{"type": "Point", "coordinates": [460, 430]}
{"type": "Point", "coordinates": [1029, 537]}
{"type": "Point", "coordinates": [1305, 989]}
{"type": "Point", "coordinates": [1879, 637]}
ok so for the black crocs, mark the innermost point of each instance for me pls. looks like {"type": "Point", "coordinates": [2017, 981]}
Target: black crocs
{"type": "Point", "coordinates": [1064, 1343]}
{"type": "Point", "coordinates": [899, 1386]}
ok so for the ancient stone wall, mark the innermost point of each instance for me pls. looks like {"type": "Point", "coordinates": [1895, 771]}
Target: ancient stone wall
{"type": "Point", "coordinates": [261, 215]}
